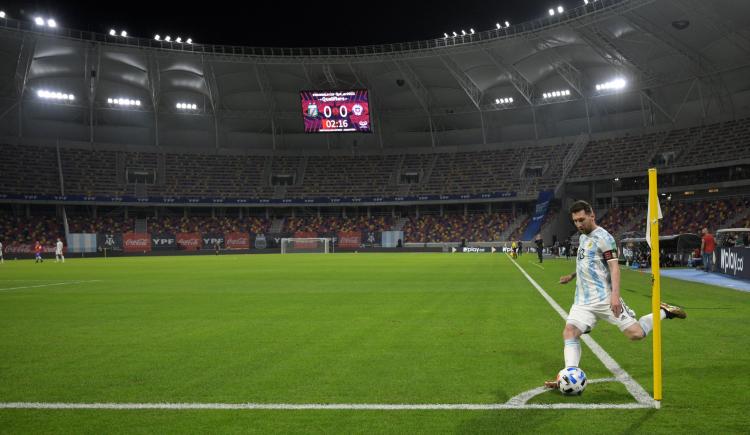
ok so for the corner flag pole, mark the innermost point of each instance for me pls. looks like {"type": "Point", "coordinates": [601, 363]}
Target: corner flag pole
{"type": "Point", "coordinates": [653, 226]}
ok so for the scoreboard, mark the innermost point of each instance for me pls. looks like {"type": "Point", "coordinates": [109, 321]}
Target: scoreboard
{"type": "Point", "coordinates": [336, 111]}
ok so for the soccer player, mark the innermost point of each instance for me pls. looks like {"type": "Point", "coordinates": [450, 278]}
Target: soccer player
{"type": "Point", "coordinates": [514, 248]}
{"type": "Point", "coordinates": [2, 260]}
{"type": "Point", "coordinates": [539, 246]}
{"type": "Point", "coordinates": [59, 251]}
{"type": "Point", "coordinates": [38, 252]}
{"type": "Point", "coordinates": [597, 293]}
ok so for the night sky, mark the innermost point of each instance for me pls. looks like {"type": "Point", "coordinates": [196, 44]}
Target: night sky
{"type": "Point", "coordinates": [278, 23]}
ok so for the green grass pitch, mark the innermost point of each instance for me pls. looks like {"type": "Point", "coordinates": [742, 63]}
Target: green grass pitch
{"type": "Point", "coordinates": [346, 329]}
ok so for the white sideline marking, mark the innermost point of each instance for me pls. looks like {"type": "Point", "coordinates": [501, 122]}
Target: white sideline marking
{"type": "Point", "coordinates": [534, 264]}
{"type": "Point", "coordinates": [320, 406]}
{"type": "Point", "coordinates": [524, 397]}
{"type": "Point", "coordinates": [633, 387]}
{"type": "Point", "coordinates": [48, 285]}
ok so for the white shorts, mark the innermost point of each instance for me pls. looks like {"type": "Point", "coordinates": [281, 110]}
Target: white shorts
{"type": "Point", "coordinates": [584, 317]}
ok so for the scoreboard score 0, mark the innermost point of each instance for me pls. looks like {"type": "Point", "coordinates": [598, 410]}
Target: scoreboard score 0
{"type": "Point", "coordinates": [336, 111]}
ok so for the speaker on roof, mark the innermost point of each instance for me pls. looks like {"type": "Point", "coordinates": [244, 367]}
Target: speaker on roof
{"type": "Point", "coordinates": [681, 24]}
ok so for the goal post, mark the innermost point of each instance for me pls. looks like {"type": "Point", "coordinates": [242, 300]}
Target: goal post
{"type": "Point", "coordinates": [306, 245]}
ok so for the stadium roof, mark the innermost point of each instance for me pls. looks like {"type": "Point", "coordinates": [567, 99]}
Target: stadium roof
{"type": "Point", "coordinates": [680, 61]}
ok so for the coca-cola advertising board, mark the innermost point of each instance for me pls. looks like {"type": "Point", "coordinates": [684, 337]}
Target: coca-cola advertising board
{"type": "Point", "coordinates": [189, 241]}
{"type": "Point", "coordinates": [237, 240]}
{"type": "Point", "coordinates": [137, 242]}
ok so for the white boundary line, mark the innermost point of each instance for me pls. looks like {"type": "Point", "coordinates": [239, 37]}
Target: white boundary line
{"type": "Point", "coordinates": [319, 406]}
{"type": "Point", "coordinates": [633, 387]}
{"type": "Point", "coordinates": [48, 285]}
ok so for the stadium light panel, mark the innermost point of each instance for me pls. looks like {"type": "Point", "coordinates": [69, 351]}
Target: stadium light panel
{"type": "Point", "coordinates": [124, 34]}
{"type": "Point", "coordinates": [2, 14]}
{"type": "Point", "coordinates": [49, 95]}
{"type": "Point", "coordinates": [551, 12]}
{"type": "Point", "coordinates": [157, 37]}
{"type": "Point", "coordinates": [507, 24]}
{"type": "Point", "coordinates": [455, 34]}
{"type": "Point", "coordinates": [472, 31]}
{"type": "Point", "coordinates": [463, 32]}
{"type": "Point", "coordinates": [560, 9]}
{"type": "Point", "coordinates": [112, 32]}
{"type": "Point", "coordinates": [585, 2]}
{"type": "Point", "coordinates": [555, 94]}
{"type": "Point", "coordinates": [190, 40]}
{"type": "Point", "coordinates": [51, 23]}
{"type": "Point", "coordinates": [615, 84]}
{"type": "Point", "coordinates": [126, 102]}
{"type": "Point", "coordinates": [178, 40]}
{"type": "Point", "coordinates": [167, 38]}
{"type": "Point", "coordinates": [446, 35]}
{"type": "Point", "coordinates": [498, 25]}
{"type": "Point", "coordinates": [39, 21]}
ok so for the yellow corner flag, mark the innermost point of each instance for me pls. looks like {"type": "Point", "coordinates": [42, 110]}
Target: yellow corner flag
{"type": "Point", "coordinates": [652, 237]}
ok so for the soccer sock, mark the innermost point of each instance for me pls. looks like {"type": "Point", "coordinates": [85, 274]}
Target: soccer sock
{"type": "Point", "coordinates": [572, 352]}
{"type": "Point", "coordinates": [647, 321]}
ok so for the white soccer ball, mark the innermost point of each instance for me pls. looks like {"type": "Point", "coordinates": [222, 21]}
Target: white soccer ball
{"type": "Point", "coordinates": [572, 381]}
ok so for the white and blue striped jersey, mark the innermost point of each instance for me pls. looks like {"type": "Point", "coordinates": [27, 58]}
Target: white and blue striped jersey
{"type": "Point", "coordinates": [593, 280]}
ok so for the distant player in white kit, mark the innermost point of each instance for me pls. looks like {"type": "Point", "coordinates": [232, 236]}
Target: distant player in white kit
{"type": "Point", "coordinates": [598, 289]}
{"type": "Point", "coordinates": [59, 251]}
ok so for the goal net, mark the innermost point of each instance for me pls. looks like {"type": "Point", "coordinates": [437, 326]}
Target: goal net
{"type": "Point", "coordinates": [295, 245]}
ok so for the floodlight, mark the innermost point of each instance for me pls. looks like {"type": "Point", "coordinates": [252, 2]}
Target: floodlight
{"type": "Point", "coordinates": [551, 12]}
{"type": "Point", "coordinates": [51, 23]}
{"type": "Point", "coordinates": [124, 34]}
{"type": "Point", "coordinates": [507, 24]}
{"type": "Point", "coordinates": [112, 32]}
{"type": "Point", "coordinates": [190, 40]}
{"type": "Point", "coordinates": [157, 37]}
{"type": "Point", "coordinates": [39, 21]}
{"type": "Point", "coordinates": [167, 38]}
{"type": "Point", "coordinates": [498, 25]}
{"type": "Point", "coordinates": [2, 14]}
{"type": "Point", "coordinates": [178, 39]}
{"type": "Point", "coordinates": [560, 9]}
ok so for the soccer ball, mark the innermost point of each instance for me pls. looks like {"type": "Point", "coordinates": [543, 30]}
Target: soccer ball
{"type": "Point", "coordinates": [572, 381]}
